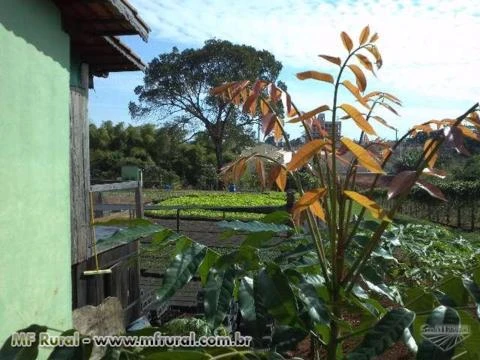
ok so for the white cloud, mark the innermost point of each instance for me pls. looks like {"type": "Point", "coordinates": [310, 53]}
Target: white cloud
{"type": "Point", "coordinates": [430, 47]}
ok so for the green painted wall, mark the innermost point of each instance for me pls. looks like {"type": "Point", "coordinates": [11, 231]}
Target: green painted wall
{"type": "Point", "coordinates": [35, 282]}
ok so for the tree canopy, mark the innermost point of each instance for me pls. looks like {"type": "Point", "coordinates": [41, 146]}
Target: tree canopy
{"type": "Point", "coordinates": [177, 84]}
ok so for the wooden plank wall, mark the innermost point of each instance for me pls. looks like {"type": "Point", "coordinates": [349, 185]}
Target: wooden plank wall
{"type": "Point", "coordinates": [80, 171]}
{"type": "Point", "coordinates": [123, 283]}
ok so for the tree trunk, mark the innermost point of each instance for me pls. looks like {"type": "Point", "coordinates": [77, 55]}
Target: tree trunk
{"type": "Point", "coordinates": [219, 159]}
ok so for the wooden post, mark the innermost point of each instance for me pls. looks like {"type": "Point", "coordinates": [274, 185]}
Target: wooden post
{"type": "Point", "coordinates": [81, 234]}
{"type": "Point", "coordinates": [98, 200]}
{"type": "Point", "coordinates": [139, 201]}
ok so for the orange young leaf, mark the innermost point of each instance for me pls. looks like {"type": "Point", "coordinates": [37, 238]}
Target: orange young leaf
{"type": "Point", "coordinates": [309, 200]}
{"type": "Point", "coordinates": [454, 138]}
{"type": "Point", "coordinates": [277, 131]}
{"type": "Point", "coordinates": [305, 153]}
{"type": "Point", "coordinates": [378, 58]}
{"type": "Point", "coordinates": [469, 133]}
{"type": "Point", "coordinates": [474, 119]}
{"type": "Point", "coordinates": [374, 38]}
{"type": "Point", "coordinates": [250, 105]}
{"type": "Point", "coordinates": [347, 42]}
{"type": "Point", "coordinates": [278, 174]}
{"type": "Point", "coordinates": [431, 189]}
{"type": "Point", "coordinates": [268, 122]}
{"type": "Point", "coordinates": [315, 75]}
{"type": "Point", "coordinates": [264, 109]}
{"type": "Point", "coordinates": [442, 174]}
{"type": "Point", "coordinates": [239, 169]}
{"type": "Point", "coordinates": [358, 118]}
{"type": "Point", "coordinates": [309, 197]}
{"type": "Point", "coordinates": [401, 183]}
{"type": "Point", "coordinates": [364, 35]}
{"type": "Point", "coordinates": [392, 98]}
{"type": "Point", "coordinates": [383, 122]}
{"type": "Point", "coordinates": [238, 87]}
{"type": "Point", "coordinates": [317, 210]}
{"type": "Point", "coordinates": [374, 209]}
{"type": "Point", "coordinates": [386, 106]}
{"type": "Point", "coordinates": [310, 114]}
{"type": "Point", "coordinates": [360, 77]}
{"type": "Point", "coordinates": [260, 169]}
{"type": "Point", "coordinates": [364, 158]}
{"type": "Point", "coordinates": [287, 104]}
{"type": "Point", "coordinates": [365, 62]}
{"type": "Point", "coordinates": [217, 90]}
{"type": "Point", "coordinates": [355, 92]}
{"type": "Point", "coordinates": [332, 59]}
{"type": "Point", "coordinates": [428, 148]}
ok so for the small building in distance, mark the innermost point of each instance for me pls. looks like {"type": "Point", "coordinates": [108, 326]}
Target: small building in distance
{"type": "Point", "coordinates": [321, 126]}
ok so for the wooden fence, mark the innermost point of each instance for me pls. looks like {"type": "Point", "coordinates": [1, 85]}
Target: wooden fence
{"type": "Point", "coordinates": [122, 259]}
{"type": "Point", "coordinates": [100, 207]}
{"type": "Point", "coordinates": [462, 214]}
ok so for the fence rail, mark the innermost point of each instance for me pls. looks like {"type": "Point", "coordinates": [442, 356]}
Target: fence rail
{"type": "Point", "coordinates": [100, 207]}
{"type": "Point", "coordinates": [460, 214]}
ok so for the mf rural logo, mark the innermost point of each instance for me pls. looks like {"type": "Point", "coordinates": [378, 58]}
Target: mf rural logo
{"type": "Point", "coordinates": [445, 337]}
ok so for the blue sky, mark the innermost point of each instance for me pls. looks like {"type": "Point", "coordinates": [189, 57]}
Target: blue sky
{"type": "Point", "coordinates": [430, 50]}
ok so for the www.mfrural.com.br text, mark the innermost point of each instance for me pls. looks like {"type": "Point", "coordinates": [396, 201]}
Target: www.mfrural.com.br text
{"type": "Point", "coordinates": [26, 339]}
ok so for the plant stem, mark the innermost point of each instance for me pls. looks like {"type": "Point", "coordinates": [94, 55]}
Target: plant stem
{"type": "Point", "coordinates": [317, 239]}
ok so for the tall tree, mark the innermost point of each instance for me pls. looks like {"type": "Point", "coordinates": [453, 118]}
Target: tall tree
{"type": "Point", "coordinates": [177, 84]}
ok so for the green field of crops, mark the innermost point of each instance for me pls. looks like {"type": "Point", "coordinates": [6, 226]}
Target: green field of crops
{"type": "Point", "coordinates": [214, 199]}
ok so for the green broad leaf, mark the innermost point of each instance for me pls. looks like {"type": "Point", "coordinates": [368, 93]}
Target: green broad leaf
{"type": "Point", "coordinates": [470, 343]}
{"type": "Point", "coordinates": [437, 344]}
{"type": "Point", "coordinates": [418, 300]}
{"type": "Point", "coordinates": [380, 252]}
{"type": "Point", "coordinates": [178, 355]}
{"type": "Point", "coordinates": [409, 341]}
{"type": "Point", "coordinates": [181, 270]}
{"type": "Point", "coordinates": [125, 236]}
{"type": "Point", "coordinates": [476, 275]}
{"type": "Point", "coordinates": [369, 225]}
{"type": "Point", "coordinates": [358, 291]}
{"type": "Point", "coordinates": [218, 293]}
{"type": "Point", "coordinates": [372, 306]}
{"type": "Point", "coordinates": [246, 257]}
{"type": "Point", "coordinates": [259, 239]}
{"type": "Point", "coordinates": [297, 252]}
{"type": "Point", "coordinates": [454, 288]}
{"type": "Point", "coordinates": [287, 337]}
{"type": "Point", "coordinates": [444, 299]}
{"type": "Point", "coordinates": [384, 334]}
{"type": "Point", "coordinates": [252, 309]}
{"type": "Point", "coordinates": [81, 352]}
{"type": "Point", "coordinates": [227, 234]}
{"type": "Point", "coordinates": [277, 217]}
{"type": "Point", "coordinates": [390, 292]}
{"type": "Point", "coordinates": [474, 291]}
{"type": "Point", "coordinates": [210, 258]}
{"type": "Point", "coordinates": [253, 226]}
{"type": "Point", "coordinates": [306, 293]}
{"type": "Point", "coordinates": [22, 352]}
{"type": "Point", "coordinates": [278, 296]}
{"type": "Point", "coordinates": [160, 238]}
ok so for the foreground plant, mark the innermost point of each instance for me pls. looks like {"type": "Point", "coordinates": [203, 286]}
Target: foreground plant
{"type": "Point", "coordinates": [331, 270]}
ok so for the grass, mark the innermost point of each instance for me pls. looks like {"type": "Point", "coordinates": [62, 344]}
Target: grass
{"type": "Point", "coordinates": [214, 199]}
